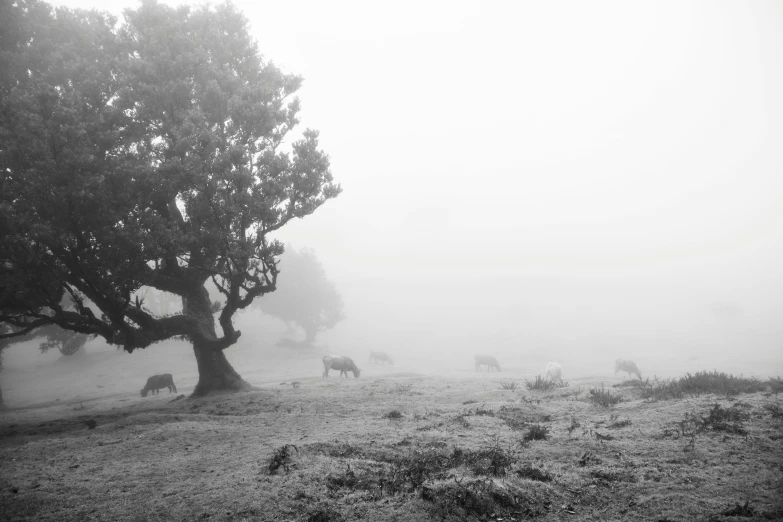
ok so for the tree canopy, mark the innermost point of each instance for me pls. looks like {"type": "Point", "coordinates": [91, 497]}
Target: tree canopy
{"type": "Point", "coordinates": [305, 296]}
{"type": "Point", "coordinates": [149, 151]}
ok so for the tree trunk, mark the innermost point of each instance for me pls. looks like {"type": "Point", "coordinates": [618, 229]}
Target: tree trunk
{"type": "Point", "coordinates": [215, 372]}
{"type": "Point", "coordinates": [2, 404]}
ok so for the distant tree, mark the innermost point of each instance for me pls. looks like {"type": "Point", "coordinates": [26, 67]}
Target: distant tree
{"type": "Point", "coordinates": [305, 297]}
{"type": "Point", "coordinates": [146, 153]}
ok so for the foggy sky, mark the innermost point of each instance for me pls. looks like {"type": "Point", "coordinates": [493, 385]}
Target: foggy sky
{"type": "Point", "coordinates": [584, 175]}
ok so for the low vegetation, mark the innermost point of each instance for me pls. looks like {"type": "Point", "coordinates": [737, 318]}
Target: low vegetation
{"type": "Point", "coordinates": [336, 451]}
{"type": "Point", "coordinates": [536, 432]}
{"type": "Point", "coordinates": [540, 384]}
{"type": "Point", "coordinates": [604, 397]}
{"type": "Point", "coordinates": [700, 383]}
{"type": "Point", "coordinates": [281, 458]}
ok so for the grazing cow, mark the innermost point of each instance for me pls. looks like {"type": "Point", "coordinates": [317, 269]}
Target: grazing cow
{"type": "Point", "coordinates": [381, 357]}
{"type": "Point", "coordinates": [344, 364]}
{"type": "Point", "coordinates": [627, 366]}
{"type": "Point", "coordinates": [488, 361]}
{"type": "Point", "coordinates": [554, 372]}
{"type": "Point", "coordinates": [158, 382]}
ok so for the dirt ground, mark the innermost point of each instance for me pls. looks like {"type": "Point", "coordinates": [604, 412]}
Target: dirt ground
{"type": "Point", "coordinates": [391, 445]}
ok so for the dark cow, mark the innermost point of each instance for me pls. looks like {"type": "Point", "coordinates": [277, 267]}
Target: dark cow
{"type": "Point", "coordinates": [158, 382]}
{"type": "Point", "coordinates": [344, 364]}
{"type": "Point", "coordinates": [627, 366]}
{"type": "Point", "coordinates": [488, 361]}
{"type": "Point", "coordinates": [381, 357]}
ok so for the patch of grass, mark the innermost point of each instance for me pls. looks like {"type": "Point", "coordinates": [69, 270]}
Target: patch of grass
{"type": "Point", "coordinates": [480, 411]}
{"type": "Point", "coordinates": [632, 383]}
{"type": "Point", "coordinates": [604, 397]}
{"type": "Point", "coordinates": [493, 460]}
{"type": "Point", "coordinates": [531, 473]}
{"type": "Point", "coordinates": [394, 414]}
{"type": "Point", "coordinates": [730, 420]}
{"type": "Point", "coordinates": [740, 511]}
{"type": "Point", "coordinates": [324, 515]}
{"type": "Point", "coordinates": [508, 385]}
{"type": "Point", "coordinates": [720, 383]}
{"type": "Point", "coordinates": [665, 390]}
{"type": "Point", "coordinates": [480, 499]}
{"type": "Point", "coordinates": [776, 383]}
{"type": "Point", "coordinates": [616, 424]}
{"type": "Point", "coordinates": [774, 410]}
{"type": "Point", "coordinates": [536, 432]}
{"type": "Point", "coordinates": [400, 388]}
{"type": "Point", "coordinates": [540, 384]}
{"type": "Point", "coordinates": [281, 458]}
{"type": "Point", "coordinates": [612, 475]}
{"type": "Point", "coordinates": [574, 425]}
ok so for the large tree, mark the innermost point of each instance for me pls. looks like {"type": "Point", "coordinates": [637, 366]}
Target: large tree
{"type": "Point", "coordinates": [148, 152]}
{"type": "Point", "coordinates": [306, 296]}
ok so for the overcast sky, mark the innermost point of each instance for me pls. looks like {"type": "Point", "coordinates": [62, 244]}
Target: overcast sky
{"type": "Point", "coordinates": [535, 171]}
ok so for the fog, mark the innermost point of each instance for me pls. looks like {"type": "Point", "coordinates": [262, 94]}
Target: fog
{"type": "Point", "coordinates": [567, 181]}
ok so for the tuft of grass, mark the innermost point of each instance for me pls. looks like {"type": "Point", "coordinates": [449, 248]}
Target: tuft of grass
{"type": "Point", "coordinates": [536, 432]}
{"type": "Point", "coordinates": [508, 385]}
{"type": "Point", "coordinates": [574, 425]}
{"type": "Point", "coordinates": [394, 414]}
{"type": "Point", "coordinates": [540, 384]}
{"type": "Point", "coordinates": [281, 458]}
{"type": "Point", "coordinates": [604, 397]}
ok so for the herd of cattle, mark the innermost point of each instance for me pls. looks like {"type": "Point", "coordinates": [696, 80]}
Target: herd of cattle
{"type": "Point", "coordinates": [345, 364]}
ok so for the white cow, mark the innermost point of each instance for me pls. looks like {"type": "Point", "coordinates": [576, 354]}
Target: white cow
{"type": "Point", "coordinates": [627, 366]}
{"type": "Point", "coordinates": [488, 361]}
{"type": "Point", "coordinates": [344, 364]}
{"type": "Point", "coordinates": [554, 372]}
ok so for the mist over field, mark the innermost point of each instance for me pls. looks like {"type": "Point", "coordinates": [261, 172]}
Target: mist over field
{"type": "Point", "coordinates": [559, 181]}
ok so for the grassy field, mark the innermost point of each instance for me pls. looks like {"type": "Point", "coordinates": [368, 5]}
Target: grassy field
{"type": "Point", "coordinates": [395, 446]}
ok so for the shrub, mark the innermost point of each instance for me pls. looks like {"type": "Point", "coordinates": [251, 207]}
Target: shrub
{"type": "Point", "coordinates": [536, 432]}
{"type": "Point", "coordinates": [604, 397]}
{"type": "Point", "coordinates": [720, 383]}
{"type": "Point", "coordinates": [725, 419]}
{"type": "Point", "coordinates": [281, 458]}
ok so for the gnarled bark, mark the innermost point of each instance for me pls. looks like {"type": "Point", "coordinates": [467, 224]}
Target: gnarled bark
{"type": "Point", "coordinates": [215, 372]}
